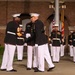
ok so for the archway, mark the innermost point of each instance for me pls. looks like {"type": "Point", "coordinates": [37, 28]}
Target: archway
{"type": "Point", "coordinates": [25, 18]}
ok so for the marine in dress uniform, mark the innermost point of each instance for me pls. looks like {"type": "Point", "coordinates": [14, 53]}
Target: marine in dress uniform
{"type": "Point", "coordinates": [70, 45]}
{"type": "Point", "coordinates": [30, 40]}
{"type": "Point", "coordinates": [41, 42]}
{"type": "Point", "coordinates": [10, 44]}
{"type": "Point", "coordinates": [73, 42]}
{"type": "Point", "coordinates": [56, 42]}
{"type": "Point", "coordinates": [20, 42]}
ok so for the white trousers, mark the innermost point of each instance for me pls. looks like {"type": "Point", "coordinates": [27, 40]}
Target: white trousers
{"type": "Point", "coordinates": [8, 56]}
{"type": "Point", "coordinates": [74, 54]}
{"type": "Point", "coordinates": [62, 50]}
{"type": "Point", "coordinates": [30, 52]}
{"type": "Point", "coordinates": [71, 50]}
{"type": "Point", "coordinates": [35, 61]}
{"type": "Point", "coordinates": [43, 53]}
{"type": "Point", "coordinates": [5, 58]}
{"type": "Point", "coordinates": [19, 52]}
{"type": "Point", "coordinates": [56, 53]}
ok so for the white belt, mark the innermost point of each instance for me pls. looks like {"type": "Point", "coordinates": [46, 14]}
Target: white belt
{"type": "Point", "coordinates": [11, 33]}
{"type": "Point", "coordinates": [20, 38]}
{"type": "Point", "coordinates": [56, 39]}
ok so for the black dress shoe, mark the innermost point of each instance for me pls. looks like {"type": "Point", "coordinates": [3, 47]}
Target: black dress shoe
{"type": "Point", "coordinates": [13, 70]}
{"type": "Point", "coordinates": [56, 62]}
{"type": "Point", "coordinates": [3, 69]}
{"type": "Point", "coordinates": [35, 68]}
{"type": "Point", "coordinates": [38, 70]}
{"type": "Point", "coordinates": [19, 60]}
{"type": "Point", "coordinates": [28, 68]}
{"type": "Point", "coordinates": [50, 69]}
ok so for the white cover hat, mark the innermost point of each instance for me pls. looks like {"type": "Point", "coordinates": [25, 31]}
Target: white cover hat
{"type": "Point", "coordinates": [21, 25]}
{"type": "Point", "coordinates": [16, 15]}
{"type": "Point", "coordinates": [34, 14]}
{"type": "Point", "coordinates": [56, 25]}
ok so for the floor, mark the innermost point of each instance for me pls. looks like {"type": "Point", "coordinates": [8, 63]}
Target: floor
{"type": "Point", "coordinates": [65, 67]}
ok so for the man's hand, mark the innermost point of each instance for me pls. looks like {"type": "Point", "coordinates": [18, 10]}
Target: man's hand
{"type": "Point", "coordinates": [28, 35]}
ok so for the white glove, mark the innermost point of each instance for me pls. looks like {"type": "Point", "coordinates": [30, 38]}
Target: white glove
{"type": "Point", "coordinates": [25, 44]}
{"type": "Point", "coordinates": [28, 35]}
{"type": "Point", "coordinates": [36, 45]}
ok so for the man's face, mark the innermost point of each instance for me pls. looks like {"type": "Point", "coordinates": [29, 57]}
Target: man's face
{"type": "Point", "coordinates": [17, 19]}
{"type": "Point", "coordinates": [20, 28]}
{"type": "Point", "coordinates": [33, 19]}
{"type": "Point", "coordinates": [56, 28]}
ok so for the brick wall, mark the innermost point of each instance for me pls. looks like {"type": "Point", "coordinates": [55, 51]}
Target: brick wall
{"type": "Point", "coordinates": [7, 9]}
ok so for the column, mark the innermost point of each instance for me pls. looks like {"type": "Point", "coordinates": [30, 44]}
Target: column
{"type": "Point", "coordinates": [57, 12]}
